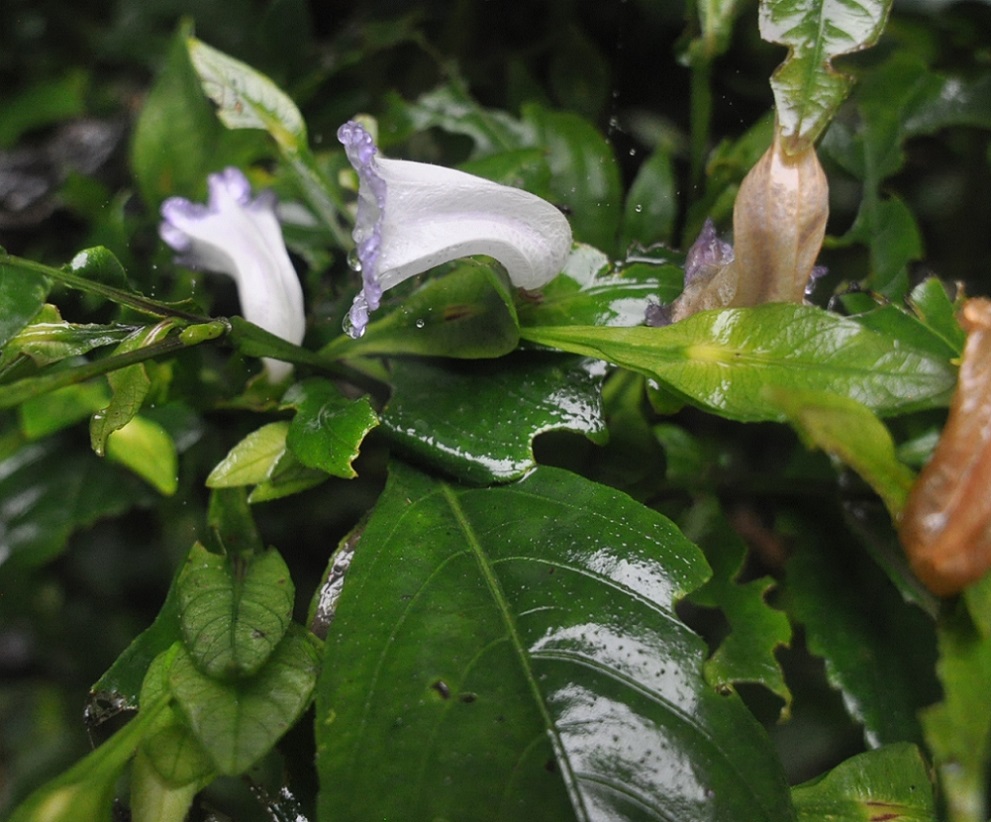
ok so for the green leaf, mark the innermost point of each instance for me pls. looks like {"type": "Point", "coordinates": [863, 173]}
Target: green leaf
{"type": "Point", "coordinates": [958, 729]}
{"type": "Point", "coordinates": [233, 610]}
{"type": "Point", "coordinates": [888, 228]}
{"type": "Point", "coordinates": [513, 652]}
{"type": "Point", "coordinates": [807, 89]}
{"type": "Point", "coordinates": [100, 265]}
{"type": "Point", "coordinates": [232, 527]}
{"type": "Point", "coordinates": [22, 294]}
{"type": "Point", "coordinates": [756, 629]}
{"type": "Point", "coordinates": [584, 174]}
{"type": "Point", "coordinates": [49, 338]}
{"type": "Point", "coordinates": [592, 292]}
{"type": "Point", "coordinates": [890, 783]}
{"type": "Point", "coordinates": [42, 416]}
{"type": "Point", "coordinates": [722, 360]}
{"type": "Point", "coordinates": [86, 790]}
{"type": "Point", "coordinates": [253, 459]}
{"type": "Point", "coordinates": [129, 386]}
{"type": "Point", "coordinates": [879, 651]}
{"type": "Point", "coordinates": [328, 429]}
{"type": "Point", "coordinates": [932, 303]}
{"type": "Point", "coordinates": [652, 202]}
{"type": "Point", "coordinates": [121, 686]}
{"type": "Point", "coordinates": [144, 447]}
{"type": "Point", "coordinates": [477, 420]}
{"type": "Point", "coordinates": [467, 313]}
{"type": "Point", "coordinates": [246, 98]}
{"type": "Point", "coordinates": [47, 491]}
{"type": "Point", "coordinates": [238, 722]}
{"type": "Point", "coordinates": [848, 431]}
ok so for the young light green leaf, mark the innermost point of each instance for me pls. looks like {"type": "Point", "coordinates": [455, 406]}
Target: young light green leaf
{"type": "Point", "coordinates": [129, 386]}
{"type": "Point", "coordinates": [513, 652]}
{"type": "Point", "coordinates": [246, 98]}
{"type": "Point", "coordinates": [807, 89]}
{"type": "Point", "coordinates": [723, 360]}
{"type": "Point", "coordinates": [144, 447]}
{"type": "Point", "coordinates": [891, 783]}
{"type": "Point", "coordinates": [848, 431]}
{"type": "Point", "coordinates": [233, 610]}
{"type": "Point", "coordinates": [328, 429]}
{"type": "Point", "coordinates": [252, 460]}
{"type": "Point", "coordinates": [238, 722]}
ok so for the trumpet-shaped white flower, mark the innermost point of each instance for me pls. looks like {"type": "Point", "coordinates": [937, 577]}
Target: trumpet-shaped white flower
{"type": "Point", "coordinates": [240, 236]}
{"type": "Point", "coordinates": [414, 216]}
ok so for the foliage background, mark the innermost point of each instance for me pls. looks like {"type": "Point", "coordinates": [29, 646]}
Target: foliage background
{"type": "Point", "coordinates": [111, 545]}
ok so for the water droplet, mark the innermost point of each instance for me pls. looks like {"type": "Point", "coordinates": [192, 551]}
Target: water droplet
{"type": "Point", "coordinates": [420, 323]}
{"type": "Point", "coordinates": [638, 208]}
{"type": "Point", "coordinates": [354, 261]}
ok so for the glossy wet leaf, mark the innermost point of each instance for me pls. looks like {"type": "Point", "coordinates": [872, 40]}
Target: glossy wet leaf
{"type": "Point", "coordinates": [879, 651]}
{"type": "Point", "coordinates": [722, 360]}
{"type": "Point", "coordinates": [47, 491]}
{"type": "Point", "coordinates": [49, 338]}
{"type": "Point", "coordinates": [233, 610]}
{"type": "Point", "coordinates": [848, 431]}
{"type": "Point", "coordinates": [477, 420]}
{"type": "Point", "coordinates": [513, 652]}
{"type": "Point", "coordinates": [145, 447]}
{"type": "Point", "coordinates": [807, 88]}
{"type": "Point", "coordinates": [100, 265]}
{"type": "Point", "coordinates": [328, 429]}
{"type": "Point", "coordinates": [890, 783]}
{"type": "Point", "coordinates": [238, 722]}
{"type": "Point", "coordinates": [932, 303]}
{"type": "Point", "coordinates": [22, 294]}
{"type": "Point", "coordinates": [612, 296]}
{"type": "Point", "coordinates": [467, 313]}
{"type": "Point", "coordinates": [756, 630]}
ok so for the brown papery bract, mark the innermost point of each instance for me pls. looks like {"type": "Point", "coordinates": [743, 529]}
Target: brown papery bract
{"type": "Point", "coordinates": [946, 524]}
{"type": "Point", "coordinates": [779, 220]}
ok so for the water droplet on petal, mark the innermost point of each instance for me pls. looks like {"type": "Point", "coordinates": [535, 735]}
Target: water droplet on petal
{"type": "Point", "coordinates": [354, 261]}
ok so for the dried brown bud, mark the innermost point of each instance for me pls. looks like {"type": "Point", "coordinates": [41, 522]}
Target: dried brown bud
{"type": "Point", "coordinates": [779, 220]}
{"type": "Point", "coordinates": [946, 524]}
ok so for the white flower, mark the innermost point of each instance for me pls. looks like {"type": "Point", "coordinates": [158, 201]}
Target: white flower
{"type": "Point", "coordinates": [241, 237]}
{"type": "Point", "coordinates": [414, 216]}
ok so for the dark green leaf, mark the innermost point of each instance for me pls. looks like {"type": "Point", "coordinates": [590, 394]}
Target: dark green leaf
{"type": "Point", "coordinates": [891, 783]}
{"type": "Point", "coordinates": [652, 202]}
{"type": "Point", "coordinates": [958, 729]}
{"type": "Point", "coordinates": [933, 305]}
{"type": "Point", "coordinates": [756, 629]}
{"type": "Point", "coordinates": [467, 313]}
{"type": "Point", "coordinates": [45, 415]}
{"type": "Point", "coordinates": [100, 265]}
{"type": "Point", "coordinates": [584, 173]}
{"type": "Point", "coordinates": [879, 651]}
{"type": "Point", "coordinates": [477, 420]}
{"type": "Point", "coordinates": [328, 429]}
{"type": "Point", "coordinates": [47, 491]}
{"type": "Point", "coordinates": [22, 294]}
{"type": "Point", "coordinates": [506, 653]}
{"type": "Point", "coordinates": [238, 722]}
{"type": "Point", "coordinates": [722, 360]}
{"type": "Point", "coordinates": [231, 524]}
{"type": "Point", "coordinates": [233, 610]}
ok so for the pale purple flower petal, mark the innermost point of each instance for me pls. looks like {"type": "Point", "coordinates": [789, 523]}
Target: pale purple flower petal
{"type": "Point", "coordinates": [414, 216]}
{"type": "Point", "coordinates": [240, 236]}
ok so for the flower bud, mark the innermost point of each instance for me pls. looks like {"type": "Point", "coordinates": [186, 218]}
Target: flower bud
{"type": "Point", "coordinates": [945, 526]}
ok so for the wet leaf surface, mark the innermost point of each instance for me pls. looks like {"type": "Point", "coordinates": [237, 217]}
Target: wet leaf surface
{"type": "Point", "coordinates": [514, 651]}
{"type": "Point", "coordinates": [477, 420]}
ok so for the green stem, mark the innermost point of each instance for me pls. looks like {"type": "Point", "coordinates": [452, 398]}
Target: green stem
{"type": "Point", "coordinates": [138, 302]}
{"type": "Point", "coordinates": [700, 114]}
